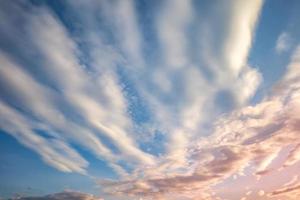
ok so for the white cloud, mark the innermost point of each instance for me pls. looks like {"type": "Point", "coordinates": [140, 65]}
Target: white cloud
{"type": "Point", "coordinates": [88, 105]}
{"type": "Point", "coordinates": [183, 100]}
{"type": "Point", "coordinates": [53, 151]}
{"type": "Point", "coordinates": [172, 22]}
{"type": "Point", "coordinates": [93, 106]}
{"type": "Point", "coordinates": [283, 43]}
{"type": "Point", "coordinates": [244, 15]}
{"type": "Point", "coordinates": [98, 100]}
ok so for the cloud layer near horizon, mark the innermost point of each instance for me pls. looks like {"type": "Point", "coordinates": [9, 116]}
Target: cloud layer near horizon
{"type": "Point", "coordinates": [67, 195]}
{"type": "Point", "coordinates": [101, 80]}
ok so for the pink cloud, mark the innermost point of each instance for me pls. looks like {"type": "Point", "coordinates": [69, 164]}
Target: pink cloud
{"type": "Point", "coordinates": [252, 136]}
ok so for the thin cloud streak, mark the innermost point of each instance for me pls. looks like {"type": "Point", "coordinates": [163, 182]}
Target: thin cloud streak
{"type": "Point", "coordinates": [283, 43]}
{"type": "Point", "coordinates": [66, 195]}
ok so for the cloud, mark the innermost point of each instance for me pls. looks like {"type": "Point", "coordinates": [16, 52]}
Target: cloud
{"type": "Point", "coordinates": [55, 152]}
{"type": "Point", "coordinates": [64, 89]}
{"type": "Point", "coordinates": [67, 195]}
{"type": "Point", "coordinates": [288, 192]}
{"type": "Point", "coordinates": [174, 18]}
{"type": "Point", "coordinates": [253, 135]}
{"type": "Point", "coordinates": [178, 76]}
{"type": "Point", "coordinates": [75, 77]}
{"type": "Point", "coordinates": [81, 89]}
{"type": "Point", "coordinates": [283, 42]}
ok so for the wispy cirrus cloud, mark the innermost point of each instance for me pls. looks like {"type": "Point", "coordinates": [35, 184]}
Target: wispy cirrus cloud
{"type": "Point", "coordinates": [66, 83]}
{"type": "Point", "coordinates": [283, 42]}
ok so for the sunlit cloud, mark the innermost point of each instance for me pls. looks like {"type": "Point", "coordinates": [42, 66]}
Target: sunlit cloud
{"type": "Point", "coordinates": [252, 137]}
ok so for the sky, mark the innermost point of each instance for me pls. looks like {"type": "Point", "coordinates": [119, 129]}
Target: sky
{"type": "Point", "coordinates": [149, 100]}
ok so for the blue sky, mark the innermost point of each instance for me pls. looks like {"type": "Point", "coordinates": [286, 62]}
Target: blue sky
{"type": "Point", "coordinates": [150, 99]}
